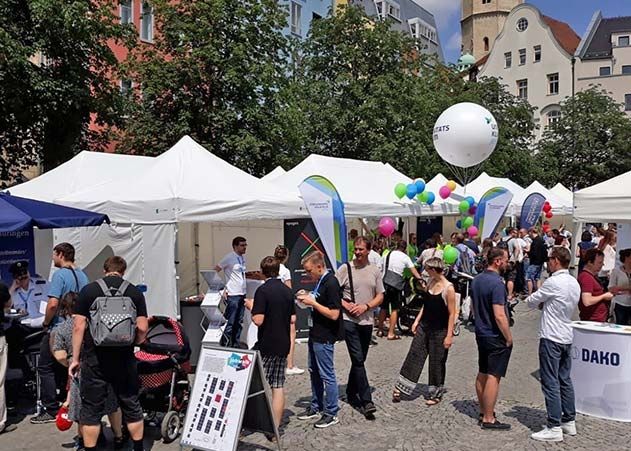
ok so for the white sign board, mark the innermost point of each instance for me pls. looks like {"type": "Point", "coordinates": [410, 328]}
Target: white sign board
{"type": "Point", "coordinates": [601, 370]}
{"type": "Point", "coordinates": [218, 400]}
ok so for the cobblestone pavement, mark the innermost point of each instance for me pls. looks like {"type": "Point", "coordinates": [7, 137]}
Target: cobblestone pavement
{"type": "Point", "coordinates": [409, 425]}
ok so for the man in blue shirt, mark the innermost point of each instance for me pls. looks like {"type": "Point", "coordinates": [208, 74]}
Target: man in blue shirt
{"type": "Point", "coordinates": [493, 335]}
{"type": "Point", "coordinates": [67, 279]}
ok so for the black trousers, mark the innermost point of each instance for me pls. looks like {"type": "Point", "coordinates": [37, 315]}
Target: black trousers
{"type": "Point", "coordinates": [50, 374]}
{"type": "Point", "coordinates": [622, 315]}
{"type": "Point", "coordinates": [357, 339]}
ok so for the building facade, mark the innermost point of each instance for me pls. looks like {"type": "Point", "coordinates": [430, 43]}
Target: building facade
{"type": "Point", "coordinates": [604, 58]}
{"type": "Point", "coordinates": [301, 13]}
{"type": "Point", "coordinates": [481, 22]}
{"type": "Point", "coordinates": [406, 16]}
{"type": "Point", "coordinates": [533, 57]}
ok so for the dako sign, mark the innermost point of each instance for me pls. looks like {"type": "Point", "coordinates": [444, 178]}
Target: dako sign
{"type": "Point", "coordinates": [600, 357]}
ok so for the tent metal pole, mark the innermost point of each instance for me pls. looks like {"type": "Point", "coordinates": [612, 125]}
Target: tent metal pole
{"type": "Point", "coordinates": [196, 254]}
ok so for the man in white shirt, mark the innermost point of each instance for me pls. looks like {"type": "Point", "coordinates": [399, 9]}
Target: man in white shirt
{"type": "Point", "coordinates": [375, 259]}
{"type": "Point", "coordinates": [558, 298]}
{"type": "Point", "coordinates": [233, 266]}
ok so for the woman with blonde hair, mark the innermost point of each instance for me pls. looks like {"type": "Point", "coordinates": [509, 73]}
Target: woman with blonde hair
{"type": "Point", "coordinates": [433, 336]}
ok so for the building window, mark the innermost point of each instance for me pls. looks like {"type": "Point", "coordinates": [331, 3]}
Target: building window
{"type": "Point", "coordinates": [394, 11]}
{"type": "Point", "coordinates": [486, 2]}
{"type": "Point", "coordinates": [146, 22]}
{"type": "Point", "coordinates": [627, 102]}
{"type": "Point", "coordinates": [522, 89]}
{"type": "Point", "coordinates": [522, 24]}
{"type": "Point", "coordinates": [604, 71]}
{"type": "Point", "coordinates": [522, 57]}
{"type": "Point", "coordinates": [296, 12]}
{"type": "Point", "coordinates": [537, 50]}
{"type": "Point", "coordinates": [508, 59]}
{"type": "Point", "coordinates": [380, 9]}
{"type": "Point", "coordinates": [553, 116]}
{"type": "Point", "coordinates": [126, 12]}
{"type": "Point", "coordinates": [414, 30]}
{"type": "Point", "coordinates": [125, 86]}
{"type": "Point", "coordinates": [553, 83]}
{"type": "Point", "coordinates": [626, 70]}
{"type": "Point", "coordinates": [486, 44]}
{"type": "Point", "coordinates": [316, 16]}
{"type": "Point", "coordinates": [623, 41]}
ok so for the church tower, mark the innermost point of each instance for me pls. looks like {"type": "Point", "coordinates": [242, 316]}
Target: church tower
{"type": "Point", "coordinates": [482, 21]}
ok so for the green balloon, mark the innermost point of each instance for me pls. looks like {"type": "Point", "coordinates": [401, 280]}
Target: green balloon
{"type": "Point", "coordinates": [423, 197]}
{"type": "Point", "coordinates": [399, 190]}
{"type": "Point", "coordinates": [450, 255]}
{"type": "Point", "coordinates": [467, 222]}
{"type": "Point", "coordinates": [464, 206]}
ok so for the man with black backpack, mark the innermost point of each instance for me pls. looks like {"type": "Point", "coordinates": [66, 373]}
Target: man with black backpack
{"type": "Point", "coordinates": [68, 280]}
{"type": "Point", "coordinates": [110, 318]}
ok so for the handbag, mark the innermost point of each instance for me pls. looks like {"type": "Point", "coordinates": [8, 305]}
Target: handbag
{"type": "Point", "coordinates": [392, 279]}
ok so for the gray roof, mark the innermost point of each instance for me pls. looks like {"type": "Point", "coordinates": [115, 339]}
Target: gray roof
{"type": "Point", "coordinates": [599, 46]}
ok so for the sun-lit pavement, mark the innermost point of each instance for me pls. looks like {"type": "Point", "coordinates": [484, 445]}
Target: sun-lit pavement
{"type": "Point", "coordinates": [409, 425]}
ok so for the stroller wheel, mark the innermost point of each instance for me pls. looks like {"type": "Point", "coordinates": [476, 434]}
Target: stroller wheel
{"type": "Point", "coordinates": [170, 427]}
{"type": "Point", "coordinates": [456, 330]}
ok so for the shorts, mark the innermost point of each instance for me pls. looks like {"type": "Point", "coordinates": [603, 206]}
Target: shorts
{"type": "Point", "coordinates": [511, 272]}
{"type": "Point", "coordinates": [533, 272]}
{"type": "Point", "coordinates": [274, 367]}
{"type": "Point", "coordinates": [95, 383]}
{"type": "Point", "coordinates": [74, 406]}
{"type": "Point", "coordinates": [392, 300]}
{"type": "Point", "coordinates": [493, 355]}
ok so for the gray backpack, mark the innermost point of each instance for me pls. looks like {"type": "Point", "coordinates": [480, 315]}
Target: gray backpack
{"type": "Point", "coordinates": [113, 317]}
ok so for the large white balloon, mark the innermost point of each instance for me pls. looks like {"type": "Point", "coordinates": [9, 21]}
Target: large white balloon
{"type": "Point", "coordinates": [465, 134]}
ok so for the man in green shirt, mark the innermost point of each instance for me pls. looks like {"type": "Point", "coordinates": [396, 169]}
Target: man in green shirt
{"type": "Point", "coordinates": [412, 249]}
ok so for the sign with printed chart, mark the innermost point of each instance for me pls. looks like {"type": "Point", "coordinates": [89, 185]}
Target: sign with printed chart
{"type": "Point", "coordinates": [229, 393]}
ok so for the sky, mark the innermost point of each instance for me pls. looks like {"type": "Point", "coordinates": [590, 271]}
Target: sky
{"type": "Point", "coordinates": [577, 13]}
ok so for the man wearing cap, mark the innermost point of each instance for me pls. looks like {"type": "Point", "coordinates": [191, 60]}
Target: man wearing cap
{"type": "Point", "coordinates": [28, 293]}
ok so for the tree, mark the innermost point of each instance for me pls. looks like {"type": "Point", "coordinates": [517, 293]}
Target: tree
{"type": "Point", "coordinates": [589, 143]}
{"type": "Point", "coordinates": [46, 109]}
{"type": "Point", "coordinates": [214, 74]}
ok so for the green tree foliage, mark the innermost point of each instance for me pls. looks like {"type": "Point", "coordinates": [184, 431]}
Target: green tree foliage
{"type": "Point", "coordinates": [214, 73]}
{"type": "Point", "coordinates": [589, 144]}
{"type": "Point", "coordinates": [46, 109]}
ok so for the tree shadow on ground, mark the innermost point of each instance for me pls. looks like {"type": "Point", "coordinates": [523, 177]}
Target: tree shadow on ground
{"type": "Point", "coordinates": [532, 418]}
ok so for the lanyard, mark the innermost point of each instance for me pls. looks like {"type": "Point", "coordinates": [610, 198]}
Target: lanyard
{"type": "Point", "coordinates": [241, 262]}
{"type": "Point", "coordinates": [28, 295]}
{"type": "Point", "coordinates": [317, 288]}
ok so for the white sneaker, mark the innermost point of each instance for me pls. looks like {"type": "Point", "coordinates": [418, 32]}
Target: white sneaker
{"type": "Point", "coordinates": [294, 370]}
{"type": "Point", "coordinates": [547, 434]}
{"type": "Point", "coordinates": [569, 428]}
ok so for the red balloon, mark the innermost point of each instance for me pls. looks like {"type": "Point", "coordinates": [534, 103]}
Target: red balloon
{"type": "Point", "coordinates": [549, 215]}
{"type": "Point", "coordinates": [547, 207]}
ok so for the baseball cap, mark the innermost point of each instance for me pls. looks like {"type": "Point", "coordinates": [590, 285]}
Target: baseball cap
{"type": "Point", "coordinates": [19, 269]}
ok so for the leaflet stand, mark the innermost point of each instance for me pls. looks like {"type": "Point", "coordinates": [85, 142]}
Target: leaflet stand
{"type": "Point", "coordinates": [230, 392]}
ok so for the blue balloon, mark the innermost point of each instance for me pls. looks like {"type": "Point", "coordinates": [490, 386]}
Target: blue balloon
{"type": "Point", "coordinates": [431, 197]}
{"type": "Point", "coordinates": [420, 186]}
{"type": "Point", "coordinates": [471, 200]}
{"type": "Point", "coordinates": [410, 191]}
{"type": "Point", "coordinates": [459, 224]}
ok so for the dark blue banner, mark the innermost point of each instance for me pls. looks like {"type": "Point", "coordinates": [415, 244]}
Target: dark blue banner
{"type": "Point", "coordinates": [16, 246]}
{"type": "Point", "coordinates": [531, 210]}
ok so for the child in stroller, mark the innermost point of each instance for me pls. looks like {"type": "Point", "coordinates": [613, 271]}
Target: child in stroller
{"type": "Point", "coordinates": [163, 369]}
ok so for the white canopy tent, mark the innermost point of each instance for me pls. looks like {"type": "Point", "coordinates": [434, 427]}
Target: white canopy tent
{"type": "Point", "coordinates": [278, 170]}
{"type": "Point", "coordinates": [608, 201]}
{"type": "Point", "coordinates": [150, 200]}
{"type": "Point", "coordinates": [559, 205]}
{"type": "Point", "coordinates": [563, 193]}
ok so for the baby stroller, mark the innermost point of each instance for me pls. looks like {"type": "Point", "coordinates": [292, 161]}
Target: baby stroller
{"type": "Point", "coordinates": [412, 304]}
{"type": "Point", "coordinates": [163, 369]}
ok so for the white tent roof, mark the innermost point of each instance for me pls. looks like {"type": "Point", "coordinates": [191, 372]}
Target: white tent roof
{"type": "Point", "coordinates": [608, 201]}
{"type": "Point", "coordinates": [366, 187]}
{"type": "Point", "coordinates": [564, 193]}
{"type": "Point", "coordinates": [440, 180]}
{"type": "Point", "coordinates": [559, 205]}
{"type": "Point", "coordinates": [86, 169]}
{"type": "Point", "coordinates": [485, 182]}
{"type": "Point", "coordinates": [187, 183]}
{"type": "Point", "coordinates": [278, 170]}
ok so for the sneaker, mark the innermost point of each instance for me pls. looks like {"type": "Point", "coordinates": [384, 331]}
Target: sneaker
{"type": "Point", "coordinates": [325, 421]}
{"type": "Point", "coordinates": [369, 410]}
{"type": "Point", "coordinates": [569, 428]}
{"type": "Point", "coordinates": [43, 418]}
{"type": "Point", "coordinates": [294, 371]}
{"type": "Point", "coordinates": [309, 414]}
{"type": "Point", "coordinates": [496, 425]}
{"type": "Point", "coordinates": [547, 434]}
{"type": "Point", "coordinates": [8, 428]}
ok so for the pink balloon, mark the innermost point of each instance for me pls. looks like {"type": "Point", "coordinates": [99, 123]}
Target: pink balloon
{"type": "Point", "coordinates": [472, 231]}
{"type": "Point", "coordinates": [444, 192]}
{"type": "Point", "coordinates": [473, 209]}
{"type": "Point", "coordinates": [387, 226]}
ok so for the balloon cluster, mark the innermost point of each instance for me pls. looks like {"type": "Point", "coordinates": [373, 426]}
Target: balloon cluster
{"type": "Point", "coordinates": [467, 208]}
{"type": "Point", "coordinates": [416, 189]}
{"type": "Point", "coordinates": [547, 210]}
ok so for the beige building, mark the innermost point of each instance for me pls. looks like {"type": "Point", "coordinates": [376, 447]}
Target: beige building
{"type": "Point", "coordinates": [533, 57]}
{"type": "Point", "coordinates": [482, 21]}
{"type": "Point", "coordinates": [604, 58]}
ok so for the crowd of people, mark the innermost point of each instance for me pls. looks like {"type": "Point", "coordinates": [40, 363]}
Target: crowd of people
{"type": "Point", "coordinates": [345, 305]}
